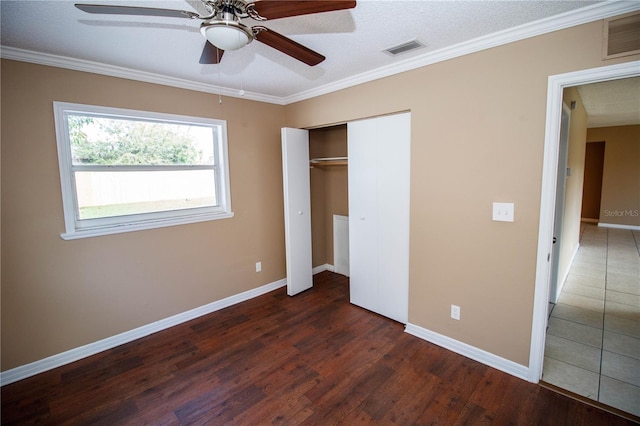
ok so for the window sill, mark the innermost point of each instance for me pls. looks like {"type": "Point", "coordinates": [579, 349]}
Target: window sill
{"type": "Point", "coordinates": [141, 226]}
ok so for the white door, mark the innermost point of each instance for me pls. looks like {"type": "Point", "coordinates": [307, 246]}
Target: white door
{"type": "Point", "coordinates": [297, 209]}
{"type": "Point", "coordinates": [563, 152]}
{"type": "Point", "coordinates": [379, 182]}
{"type": "Point", "coordinates": [394, 164]}
{"type": "Point", "coordinates": [363, 215]}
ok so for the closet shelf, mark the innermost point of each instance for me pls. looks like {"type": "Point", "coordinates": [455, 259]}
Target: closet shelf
{"type": "Point", "coordinates": [328, 161]}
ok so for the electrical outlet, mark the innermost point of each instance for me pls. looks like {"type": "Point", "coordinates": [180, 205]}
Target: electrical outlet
{"type": "Point", "coordinates": [258, 266]}
{"type": "Point", "coordinates": [455, 312]}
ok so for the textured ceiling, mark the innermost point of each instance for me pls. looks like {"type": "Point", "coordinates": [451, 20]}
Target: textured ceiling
{"type": "Point", "coordinates": [352, 40]}
{"type": "Point", "coordinates": [612, 103]}
{"type": "Point", "coordinates": [55, 32]}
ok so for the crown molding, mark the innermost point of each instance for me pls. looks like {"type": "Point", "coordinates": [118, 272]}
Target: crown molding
{"type": "Point", "coordinates": [605, 9]}
{"type": "Point", "coordinates": [127, 73]}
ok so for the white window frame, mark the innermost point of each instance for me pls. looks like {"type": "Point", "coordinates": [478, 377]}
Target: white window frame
{"type": "Point", "coordinates": [83, 228]}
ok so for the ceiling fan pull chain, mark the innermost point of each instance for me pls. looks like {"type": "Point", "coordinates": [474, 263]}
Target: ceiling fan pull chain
{"type": "Point", "coordinates": [219, 87]}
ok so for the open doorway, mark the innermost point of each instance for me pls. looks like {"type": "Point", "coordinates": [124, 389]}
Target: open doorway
{"type": "Point", "coordinates": [378, 211]}
{"type": "Point", "coordinates": [602, 281]}
{"type": "Point", "coordinates": [329, 193]}
{"type": "Point", "coordinates": [592, 189]}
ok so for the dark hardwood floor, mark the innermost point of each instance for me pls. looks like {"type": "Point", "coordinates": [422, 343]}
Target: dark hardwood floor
{"type": "Point", "coordinates": [312, 359]}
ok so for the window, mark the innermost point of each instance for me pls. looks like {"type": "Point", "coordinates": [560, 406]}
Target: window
{"type": "Point", "coordinates": [124, 170]}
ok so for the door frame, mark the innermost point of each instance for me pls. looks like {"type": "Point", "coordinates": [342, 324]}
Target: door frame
{"type": "Point", "coordinates": [555, 87]}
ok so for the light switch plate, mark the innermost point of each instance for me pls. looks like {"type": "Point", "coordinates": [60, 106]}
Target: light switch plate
{"type": "Point", "coordinates": [503, 212]}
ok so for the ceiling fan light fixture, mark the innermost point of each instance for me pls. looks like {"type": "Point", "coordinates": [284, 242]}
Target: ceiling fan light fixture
{"type": "Point", "coordinates": [227, 35]}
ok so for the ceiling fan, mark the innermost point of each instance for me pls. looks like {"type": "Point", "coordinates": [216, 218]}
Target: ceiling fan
{"type": "Point", "coordinates": [223, 28]}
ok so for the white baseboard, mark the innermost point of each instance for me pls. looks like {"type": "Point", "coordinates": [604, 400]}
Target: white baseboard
{"type": "Point", "coordinates": [589, 220]}
{"type": "Point", "coordinates": [615, 225]}
{"type": "Point", "coordinates": [322, 268]}
{"type": "Point", "coordinates": [75, 354]}
{"type": "Point", "coordinates": [469, 351]}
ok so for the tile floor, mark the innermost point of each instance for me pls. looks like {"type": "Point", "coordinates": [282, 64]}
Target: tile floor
{"type": "Point", "coordinates": [593, 334]}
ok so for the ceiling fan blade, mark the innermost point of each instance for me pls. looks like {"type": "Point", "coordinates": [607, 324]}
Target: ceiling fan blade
{"type": "Point", "coordinates": [274, 9]}
{"type": "Point", "coordinates": [211, 54]}
{"type": "Point", "coordinates": [138, 11]}
{"type": "Point", "coordinates": [288, 46]}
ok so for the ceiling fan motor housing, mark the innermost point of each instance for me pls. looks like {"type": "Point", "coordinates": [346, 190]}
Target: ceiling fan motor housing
{"type": "Point", "coordinates": [225, 31]}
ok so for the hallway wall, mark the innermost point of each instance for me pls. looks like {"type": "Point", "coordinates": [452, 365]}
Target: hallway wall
{"type": "Point", "coordinates": [620, 203]}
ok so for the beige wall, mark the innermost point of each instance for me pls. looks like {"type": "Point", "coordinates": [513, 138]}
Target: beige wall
{"type": "Point", "coordinates": [620, 201]}
{"type": "Point", "coordinates": [477, 137]}
{"type": "Point", "coordinates": [329, 190]}
{"type": "Point", "coordinates": [570, 238]}
{"type": "Point", "coordinates": [58, 295]}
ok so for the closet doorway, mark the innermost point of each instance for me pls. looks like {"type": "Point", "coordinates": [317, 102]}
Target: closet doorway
{"type": "Point", "coordinates": [328, 169]}
{"type": "Point", "coordinates": [358, 170]}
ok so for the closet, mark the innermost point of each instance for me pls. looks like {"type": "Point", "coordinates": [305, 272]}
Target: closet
{"type": "Point", "coordinates": [377, 166]}
{"type": "Point", "coordinates": [328, 167]}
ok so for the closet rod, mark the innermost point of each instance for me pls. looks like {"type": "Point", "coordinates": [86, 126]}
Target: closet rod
{"type": "Point", "coordinates": [328, 161]}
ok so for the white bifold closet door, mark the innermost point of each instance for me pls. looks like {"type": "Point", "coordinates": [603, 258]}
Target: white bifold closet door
{"type": "Point", "coordinates": [297, 209]}
{"type": "Point", "coordinates": [379, 182]}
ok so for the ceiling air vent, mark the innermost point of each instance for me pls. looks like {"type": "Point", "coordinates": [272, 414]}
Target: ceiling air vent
{"type": "Point", "coordinates": [621, 36]}
{"type": "Point", "coordinates": [404, 47]}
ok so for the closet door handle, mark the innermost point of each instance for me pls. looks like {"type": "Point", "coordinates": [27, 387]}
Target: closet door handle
{"type": "Point", "coordinates": [300, 212]}
{"type": "Point", "coordinates": [361, 217]}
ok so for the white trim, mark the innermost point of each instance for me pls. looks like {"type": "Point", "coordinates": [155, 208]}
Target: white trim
{"type": "Point", "coordinates": [588, 220]}
{"type": "Point", "coordinates": [54, 361]}
{"type": "Point", "coordinates": [617, 226]}
{"type": "Point", "coordinates": [469, 351]}
{"type": "Point", "coordinates": [569, 19]}
{"type": "Point", "coordinates": [554, 23]}
{"type": "Point", "coordinates": [556, 85]}
{"type": "Point", "coordinates": [76, 228]}
{"type": "Point", "coordinates": [141, 226]}
{"type": "Point", "coordinates": [322, 268]}
{"type": "Point", "coordinates": [22, 55]}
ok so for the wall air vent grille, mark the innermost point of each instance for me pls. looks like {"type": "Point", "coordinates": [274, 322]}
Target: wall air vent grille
{"type": "Point", "coordinates": [621, 36]}
{"type": "Point", "coordinates": [404, 47]}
